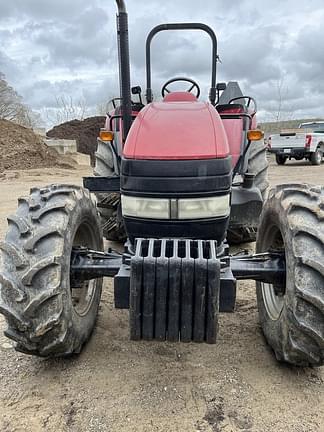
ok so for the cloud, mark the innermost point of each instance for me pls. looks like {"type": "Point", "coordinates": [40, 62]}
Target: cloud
{"type": "Point", "coordinates": [308, 49]}
{"type": "Point", "coordinates": [42, 9]}
{"type": "Point", "coordinates": [57, 47]}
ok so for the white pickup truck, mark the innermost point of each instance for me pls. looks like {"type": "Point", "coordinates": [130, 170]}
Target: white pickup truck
{"type": "Point", "coordinates": [306, 142]}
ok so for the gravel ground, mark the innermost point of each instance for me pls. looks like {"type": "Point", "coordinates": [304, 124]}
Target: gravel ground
{"type": "Point", "coordinates": [119, 385]}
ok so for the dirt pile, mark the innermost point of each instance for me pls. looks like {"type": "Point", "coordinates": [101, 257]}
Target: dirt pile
{"type": "Point", "coordinates": [20, 148]}
{"type": "Point", "coordinates": [85, 132]}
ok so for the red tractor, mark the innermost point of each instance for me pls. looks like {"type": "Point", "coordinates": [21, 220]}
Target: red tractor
{"type": "Point", "coordinates": [179, 178]}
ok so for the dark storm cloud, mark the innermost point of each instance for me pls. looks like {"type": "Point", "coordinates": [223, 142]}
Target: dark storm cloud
{"type": "Point", "coordinates": [69, 47]}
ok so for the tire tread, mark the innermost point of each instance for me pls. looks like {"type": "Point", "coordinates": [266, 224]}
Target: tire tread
{"type": "Point", "coordinates": [303, 321]}
{"type": "Point", "coordinates": [31, 270]}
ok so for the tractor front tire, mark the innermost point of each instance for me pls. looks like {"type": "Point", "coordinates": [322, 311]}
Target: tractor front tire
{"type": "Point", "coordinates": [292, 320]}
{"type": "Point", "coordinates": [45, 316]}
{"type": "Point", "coordinates": [109, 205]}
{"type": "Point", "coordinates": [258, 165]}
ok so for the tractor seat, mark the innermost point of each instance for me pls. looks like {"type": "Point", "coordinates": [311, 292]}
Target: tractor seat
{"type": "Point", "coordinates": [230, 109]}
{"type": "Point", "coordinates": [180, 97]}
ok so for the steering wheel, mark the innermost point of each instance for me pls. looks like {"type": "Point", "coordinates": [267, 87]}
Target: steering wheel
{"type": "Point", "coordinates": [193, 83]}
{"type": "Point", "coordinates": [249, 100]}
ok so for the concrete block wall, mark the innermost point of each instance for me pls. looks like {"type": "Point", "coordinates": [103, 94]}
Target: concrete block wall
{"type": "Point", "coordinates": [62, 146]}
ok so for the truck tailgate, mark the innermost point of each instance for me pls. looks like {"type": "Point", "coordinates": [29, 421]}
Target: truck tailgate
{"type": "Point", "coordinates": [288, 140]}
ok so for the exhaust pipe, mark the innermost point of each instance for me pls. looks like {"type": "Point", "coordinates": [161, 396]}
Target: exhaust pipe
{"type": "Point", "coordinates": [124, 66]}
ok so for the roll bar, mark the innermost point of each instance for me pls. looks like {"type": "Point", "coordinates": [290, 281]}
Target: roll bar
{"type": "Point", "coordinates": [181, 26]}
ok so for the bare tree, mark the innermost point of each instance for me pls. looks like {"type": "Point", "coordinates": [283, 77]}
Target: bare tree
{"type": "Point", "coordinates": [10, 102]}
{"type": "Point", "coordinates": [12, 107]}
{"type": "Point", "coordinates": [68, 109]}
{"type": "Point", "coordinates": [283, 111]}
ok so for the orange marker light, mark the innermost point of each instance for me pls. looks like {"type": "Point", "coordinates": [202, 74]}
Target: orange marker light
{"type": "Point", "coordinates": [255, 135]}
{"type": "Point", "coordinates": [106, 135]}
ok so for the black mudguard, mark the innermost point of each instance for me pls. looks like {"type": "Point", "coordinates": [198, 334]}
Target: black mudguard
{"type": "Point", "coordinates": [246, 206]}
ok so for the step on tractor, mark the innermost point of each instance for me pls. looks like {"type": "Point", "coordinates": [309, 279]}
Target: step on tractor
{"type": "Point", "coordinates": [177, 180]}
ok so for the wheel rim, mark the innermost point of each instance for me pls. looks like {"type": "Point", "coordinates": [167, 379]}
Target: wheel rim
{"type": "Point", "coordinates": [82, 297]}
{"type": "Point", "coordinates": [273, 299]}
{"type": "Point", "coordinates": [318, 156]}
{"type": "Point", "coordinates": [273, 302]}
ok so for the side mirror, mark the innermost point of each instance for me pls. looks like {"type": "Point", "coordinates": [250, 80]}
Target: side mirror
{"type": "Point", "coordinates": [136, 90]}
{"type": "Point", "coordinates": [221, 87]}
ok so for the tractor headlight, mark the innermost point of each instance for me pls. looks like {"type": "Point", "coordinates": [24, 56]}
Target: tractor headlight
{"type": "Point", "coordinates": [186, 208]}
{"type": "Point", "coordinates": [202, 208]}
{"type": "Point", "coordinates": [150, 208]}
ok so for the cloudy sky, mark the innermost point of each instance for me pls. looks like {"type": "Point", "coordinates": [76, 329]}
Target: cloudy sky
{"type": "Point", "coordinates": [275, 49]}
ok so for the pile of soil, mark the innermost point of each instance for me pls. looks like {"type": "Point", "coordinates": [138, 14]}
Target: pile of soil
{"type": "Point", "coordinates": [21, 148]}
{"type": "Point", "coordinates": [85, 132]}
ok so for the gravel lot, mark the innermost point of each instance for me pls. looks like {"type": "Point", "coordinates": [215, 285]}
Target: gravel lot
{"type": "Point", "coordinates": [119, 385]}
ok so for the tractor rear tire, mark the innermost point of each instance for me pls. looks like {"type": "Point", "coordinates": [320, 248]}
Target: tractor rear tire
{"type": "Point", "coordinates": [280, 159]}
{"type": "Point", "coordinates": [257, 164]}
{"type": "Point", "coordinates": [45, 316]}
{"type": "Point", "coordinates": [292, 222]}
{"type": "Point", "coordinates": [109, 205]}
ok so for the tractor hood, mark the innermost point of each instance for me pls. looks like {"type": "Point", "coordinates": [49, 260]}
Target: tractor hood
{"type": "Point", "coordinates": [180, 130]}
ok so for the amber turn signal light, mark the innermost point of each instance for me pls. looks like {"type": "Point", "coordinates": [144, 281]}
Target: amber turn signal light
{"type": "Point", "coordinates": [106, 135]}
{"type": "Point", "coordinates": [255, 135]}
